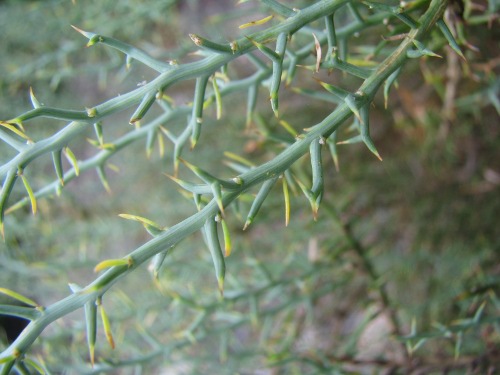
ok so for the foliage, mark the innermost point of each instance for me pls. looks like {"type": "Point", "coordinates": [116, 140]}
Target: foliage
{"type": "Point", "coordinates": [393, 270]}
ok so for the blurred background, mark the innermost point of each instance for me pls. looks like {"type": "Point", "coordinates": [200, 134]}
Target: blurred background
{"type": "Point", "coordinates": [306, 298]}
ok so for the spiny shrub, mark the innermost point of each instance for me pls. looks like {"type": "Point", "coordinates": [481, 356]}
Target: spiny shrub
{"type": "Point", "coordinates": [340, 53]}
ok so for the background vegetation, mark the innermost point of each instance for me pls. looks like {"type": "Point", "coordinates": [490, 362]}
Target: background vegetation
{"type": "Point", "coordinates": [400, 272]}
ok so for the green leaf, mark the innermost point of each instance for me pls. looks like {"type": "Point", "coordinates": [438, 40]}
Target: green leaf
{"type": "Point", "coordinates": [91, 328]}
{"type": "Point", "coordinates": [193, 188]}
{"type": "Point", "coordinates": [34, 100]}
{"type": "Point", "coordinates": [339, 93]}
{"type": "Point", "coordinates": [209, 178]}
{"type": "Point", "coordinates": [106, 324]}
{"type": "Point", "coordinates": [450, 38]}
{"type": "Point", "coordinates": [103, 178]}
{"type": "Point", "coordinates": [72, 160]}
{"type": "Point", "coordinates": [388, 83]}
{"type": "Point", "coordinates": [365, 131]}
{"type": "Point", "coordinates": [197, 112]}
{"type": "Point", "coordinates": [29, 190]}
{"type": "Point", "coordinates": [277, 72]}
{"type": "Point", "coordinates": [57, 160]}
{"type": "Point", "coordinates": [424, 50]}
{"type": "Point", "coordinates": [218, 97]}
{"type": "Point", "coordinates": [153, 228]}
{"type": "Point", "coordinates": [335, 63]}
{"type": "Point", "coordinates": [332, 146]}
{"type": "Point", "coordinates": [228, 247]}
{"type": "Point", "coordinates": [146, 103]}
{"type": "Point", "coordinates": [317, 169]}
{"type": "Point", "coordinates": [10, 358]}
{"type": "Point", "coordinates": [251, 103]}
{"type": "Point", "coordinates": [288, 128]}
{"type": "Point", "coordinates": [292, 67]}
{"type": "Point", "coordinates": [15, 130]}
{"type": "Point", "coordinates": [150, 139]}
{"type": "Point", "coordinates": [28, 313]}
{"type": "Point", "coordinates": [197, 201]}
{"type": "Point", "coordinates": [98, 132]}
{"type": "Point", "coordinates": [212, 239]}
{"type": "Point", "coordinates": [356, 139]}
{"type": "Point", "coordinates": [317, 95]}
{"type": "Point", "coordinates": [157, 263]}
{"type": "Point", "coordinates": [286, 195]}
{"type": "Point", "coordinates": [217, 192]}
{"type": "Point", "coordinates": [19, 297]}
{"type": "Point", "coordinates": [256, 23]}
{"type": "Point", "coordinates": [259, 199]}
{"type": "Point", "coordinates": [350, 100]}
{"type": "Point", "coordinates": [108, 263]}
{"type": "Point", "coordinates": [239, 159]}
{"type": "Point", "coordinates": [331, 35]}
{"type": "Point", "coordinates": [268, 52]}
{"type": "Point", "coordinates": [7, 186]}
{"type": "Point", "coordinates": [212, 46]}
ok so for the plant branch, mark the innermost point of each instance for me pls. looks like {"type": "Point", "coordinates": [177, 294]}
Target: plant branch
{"type": "Point", "coordinates": [253, 177]}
